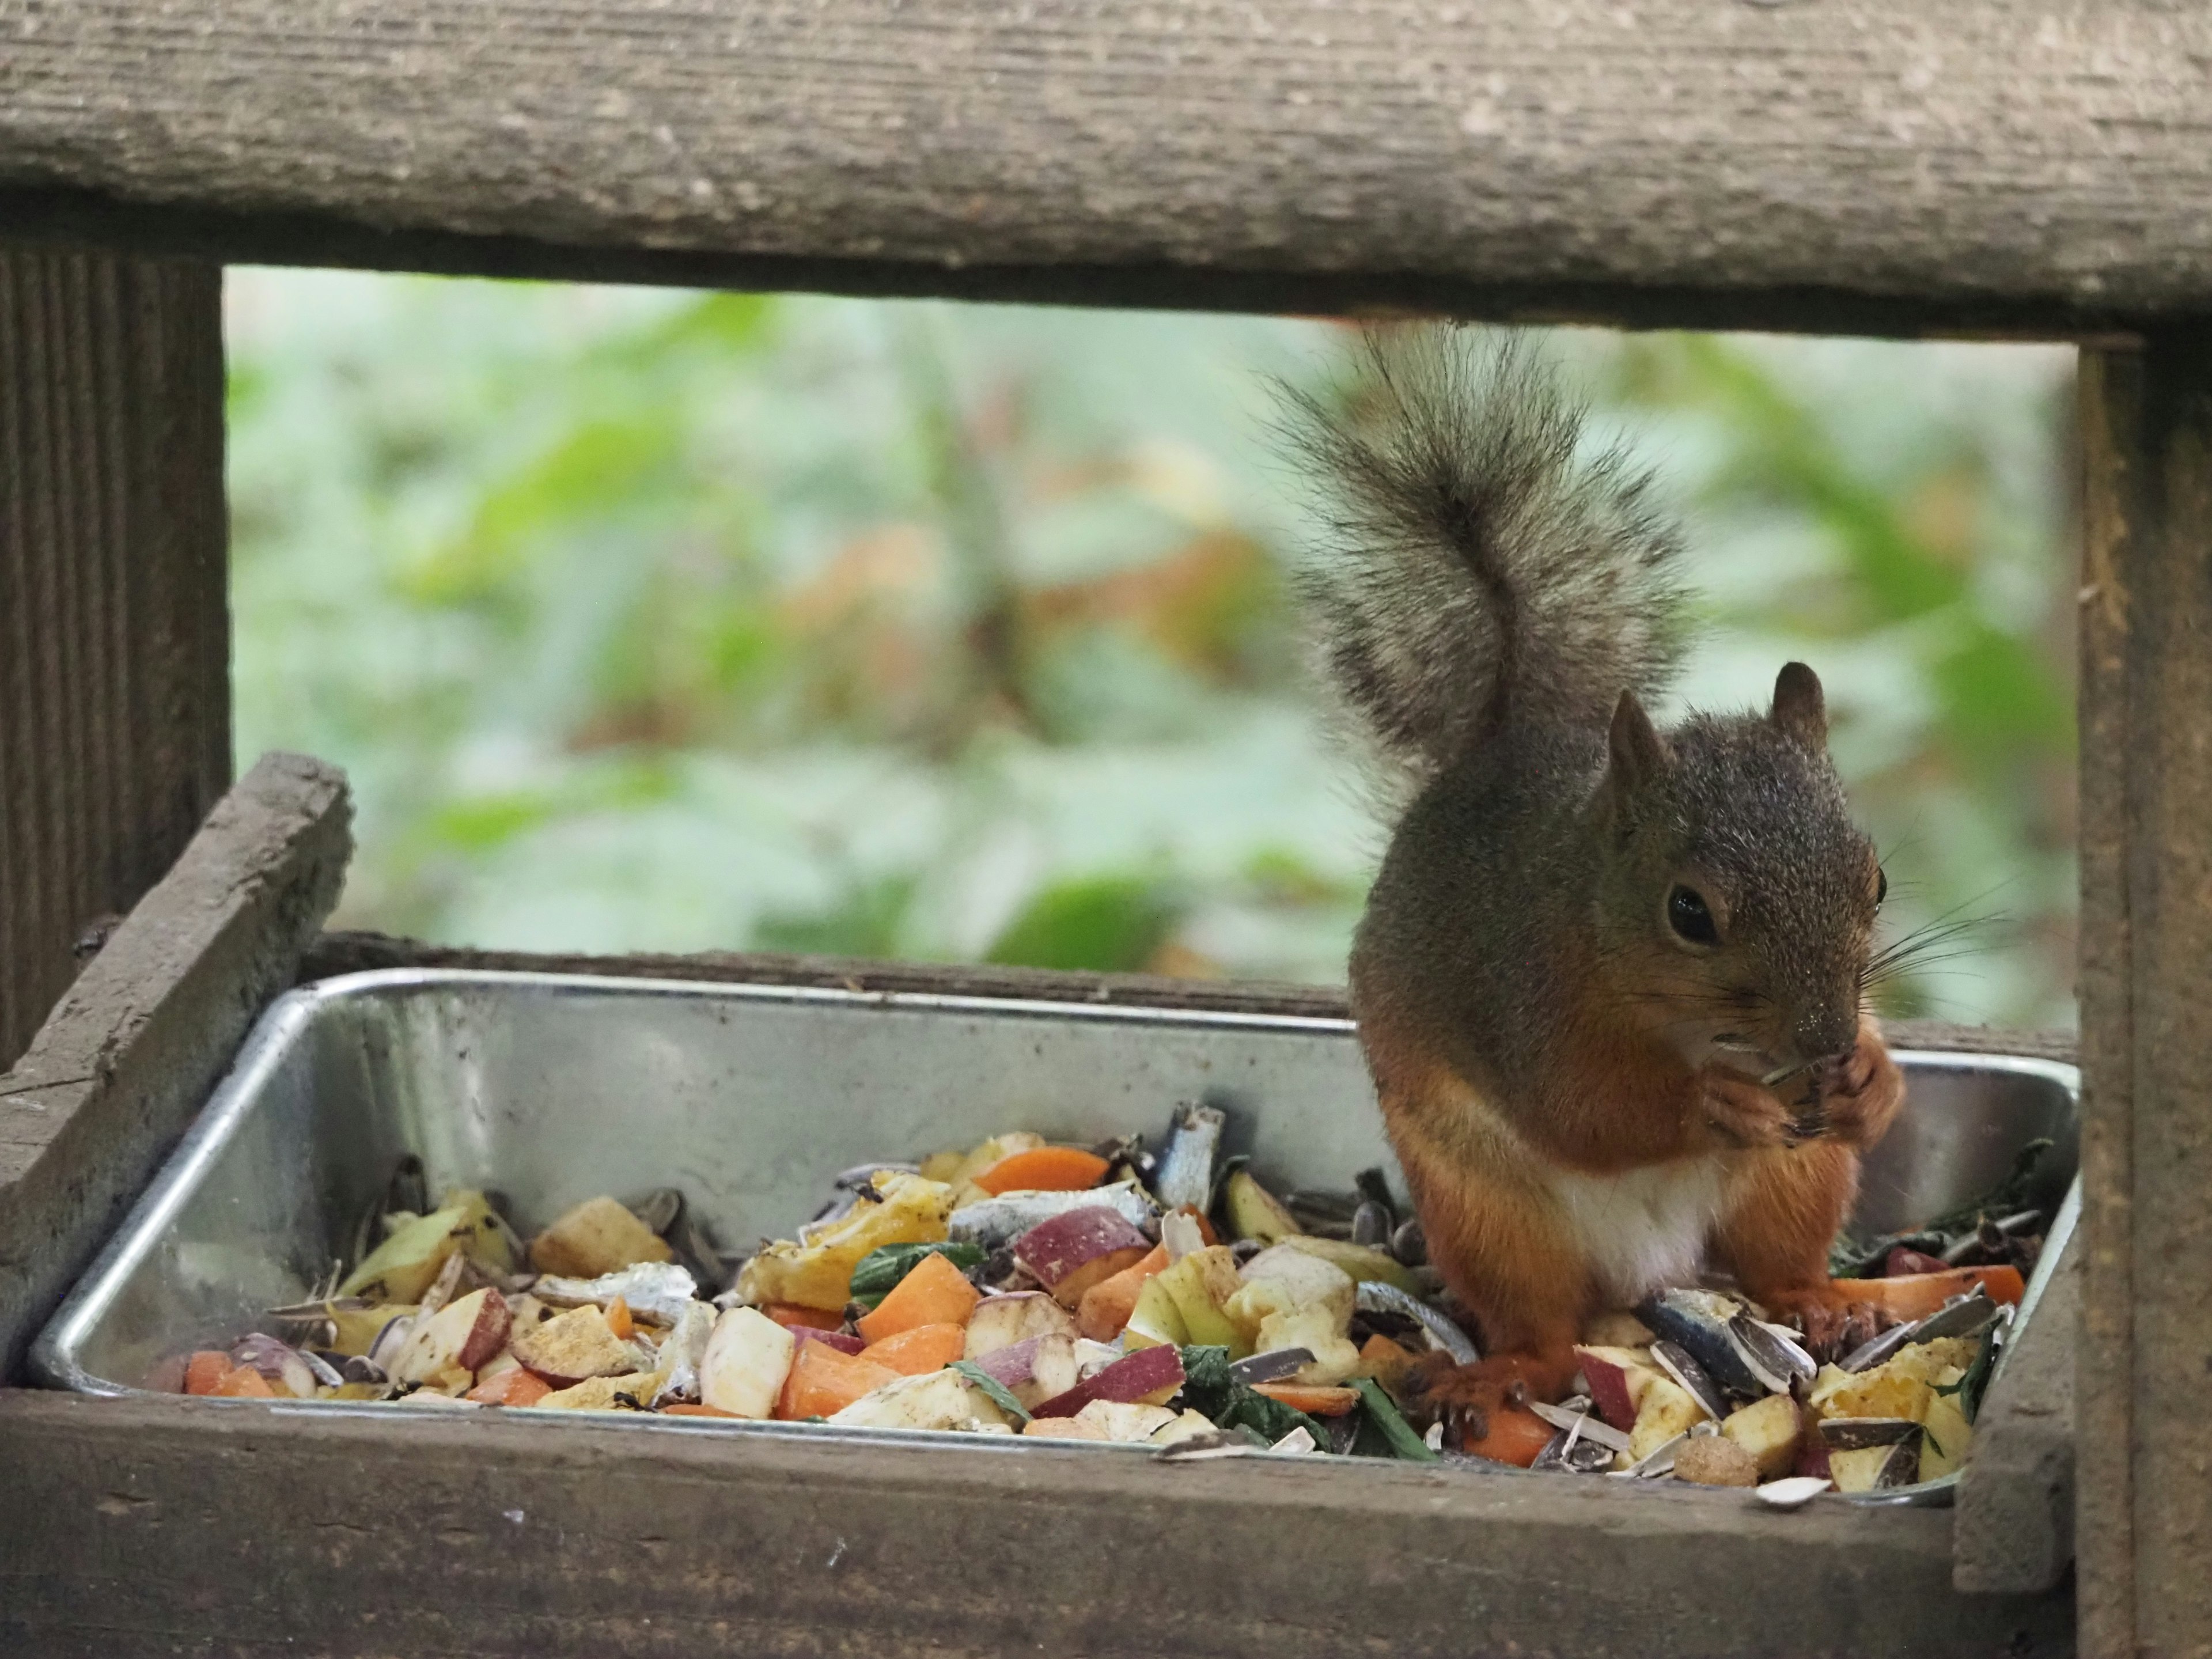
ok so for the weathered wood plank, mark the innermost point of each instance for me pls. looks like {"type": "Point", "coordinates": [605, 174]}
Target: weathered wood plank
{"type": "Point", "coordinates": [1853, 165]}
{"type": "Point", "coordinates": [2014, 1525]}
{"type": "Point", "coordinates": [361, 952]}
{"type": "Point", "coordinates": [152, 1526]}
{"type": "Point", "coordinates": [2145, 1516]}
{"type": "Point", "coordinates": [130, 1054]}
{"type": "Point", "coordinates": [114, 630]}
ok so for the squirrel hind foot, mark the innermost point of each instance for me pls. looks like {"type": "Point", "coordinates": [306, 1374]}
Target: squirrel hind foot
{"type": "Point", "coordinates": [1462, 1397]}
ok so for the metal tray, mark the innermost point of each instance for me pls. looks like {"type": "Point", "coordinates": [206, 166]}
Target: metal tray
{"type": "Point", "coordinates": [549, 1088]}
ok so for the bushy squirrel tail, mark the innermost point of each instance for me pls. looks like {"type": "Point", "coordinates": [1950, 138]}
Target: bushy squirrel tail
{"type": "Point", "coordinates": [1478, 569]}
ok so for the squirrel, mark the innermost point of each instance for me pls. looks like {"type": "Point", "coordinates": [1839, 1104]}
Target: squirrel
{"type": "Point", "coordinates": [1597, 955]}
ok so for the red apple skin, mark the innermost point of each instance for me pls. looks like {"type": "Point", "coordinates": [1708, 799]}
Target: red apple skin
{"type": "Point", "coordinates": [1052, 1249]}
{"type": "Point", "coordinates": [489, 1335]}
{"type": "Point", "coordinates": [843, 1341]}
{"type": "Point", "coordinates": [1608, 1386]}
{"type": "Point", "coordinates": [1010, 1365]}
{"type": "Point", "coordinates": [1128, 1379]}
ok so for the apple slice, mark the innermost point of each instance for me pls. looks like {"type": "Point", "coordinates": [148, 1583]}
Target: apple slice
{"type": "Point", "coordinates": [461, 1336]}
{"type": "Point", "coordinates": [1035, 1369]}
{"type": "Point", "coordinates": [748, 1357]}
{"type": "Point", "coordinates": [1070, 1253]}
{"type": "Point", "coordinates": [1000, 1322]}
{"type": "Point", "coordinates": [1617, 1379]}
{"type": "Point", "coordinates": [1149, 1376]}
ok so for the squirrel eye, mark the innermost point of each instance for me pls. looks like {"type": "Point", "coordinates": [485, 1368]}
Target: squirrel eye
{"type": "Point", "coordinates": [1687, 915]}
{"type": "Point", "coordinates": [1881, 885]}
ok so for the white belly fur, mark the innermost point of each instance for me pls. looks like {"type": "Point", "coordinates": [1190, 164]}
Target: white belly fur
{"type": "Point", "coordinates": [1644, 1228]}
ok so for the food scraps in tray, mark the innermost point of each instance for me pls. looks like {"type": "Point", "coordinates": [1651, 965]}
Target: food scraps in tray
{"type": "Point", "coordinates": [1110, 1293]}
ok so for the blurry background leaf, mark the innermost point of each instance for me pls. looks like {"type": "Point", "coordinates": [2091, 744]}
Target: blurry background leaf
{"type": "Point", "coordinates": [661, 621]}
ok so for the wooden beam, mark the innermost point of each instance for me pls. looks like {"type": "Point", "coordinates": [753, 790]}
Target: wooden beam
{"type": "Point", "coordinates": [2144, 1524]}
{"type": "Point", "coordinates": [152, 1525]}
{"type": "Point", "coordinates": [114, 630]}
{"type": "Point", "coordinates": [131, 1054]}
{"type": "Point", "coordinates": [1872, 165]}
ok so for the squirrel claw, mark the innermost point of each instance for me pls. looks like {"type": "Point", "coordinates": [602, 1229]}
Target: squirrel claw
{"type": "Point", "coordinates": [1743, 1110]}
{"type": "Point", "coordinates": [1462, 1397]}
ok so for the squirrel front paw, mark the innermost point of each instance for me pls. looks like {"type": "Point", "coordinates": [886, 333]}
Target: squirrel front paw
{"type": "Point", "coordinates": [1860, 1093]}
{"type": "Point", "coordinates": [1742, 1110]}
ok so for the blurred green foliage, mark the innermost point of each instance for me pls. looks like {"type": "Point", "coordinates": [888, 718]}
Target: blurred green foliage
{"type": "Point", "coordinates": [669, 621]}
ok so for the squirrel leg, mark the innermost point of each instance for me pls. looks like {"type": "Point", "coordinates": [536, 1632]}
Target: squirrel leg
{"type": "Point", "coordinates": [1506, 1259]}
{"type": "Point", "coordinates": [1786, 1205]}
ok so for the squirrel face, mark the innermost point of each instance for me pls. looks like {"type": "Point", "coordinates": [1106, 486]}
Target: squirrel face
{"type": "Point", "coordinates": [1737, 903]}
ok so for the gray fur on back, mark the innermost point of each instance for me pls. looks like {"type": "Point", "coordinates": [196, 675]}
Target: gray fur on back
{"type": "Point", "coordinates": [1478, 568]}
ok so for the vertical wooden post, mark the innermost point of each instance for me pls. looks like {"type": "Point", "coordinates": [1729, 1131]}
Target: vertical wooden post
{"type": "Point", "coordinates": [114, 625]}
{"type": "Point", "coordinates": [2144, 1524]}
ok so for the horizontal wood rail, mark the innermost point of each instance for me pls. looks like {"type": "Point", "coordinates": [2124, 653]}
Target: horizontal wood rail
{"type": "Point", "coordinates": [1869, 166]}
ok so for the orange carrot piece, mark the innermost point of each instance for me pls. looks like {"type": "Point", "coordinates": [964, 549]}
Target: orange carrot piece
{"type": "Point", "coordinates": [694, 1409]}
{"type": "Point", "coordinates": [823, 1381]}
{"type": "Point", "coordinates": [205, 1371]}
{"type": "Point", "coordinates": [1312, 1402]}
{"type": "Point", "coordinates": [933, 1292]}
{"type": "Point", "coordinates": [1384, 1360]}
{"type": "Point", "coordinates": [1044, 1170]}
{"type": "Point", "coordinates": [1915, 1296]}
{"type": "Point", "coordinates": [244, 1382]}
{"type": "Point", "coordinates": [924, 1348]}
{"type": "Point", "coordinates": [518, 1386]}
{"type": "Point", "coordinates": [1515, 1437]}
{"type": "Point", "coordinates": [618, 1320]}
{"type": "Point", "coordinates": [1107, 1305]}
{"type": "Point", "coordinates": [790, 1315]}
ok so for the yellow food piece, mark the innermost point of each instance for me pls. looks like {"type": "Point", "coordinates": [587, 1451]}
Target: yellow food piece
{"type": "Point", "coordinates": [816, 1272]}
{"type": "Point", "coordinates": [1946, 1435]}
{"type": "Point", "coordinates": [1901, 1386]}
{"type": "Point", "coordinates": [1768, 1430]}
{"type": "Point", "coordinates": [1201, 1284]}
{"type": "Point", "coordinates": [1857, 1471]}
{"type": "Point", "coordinates": [1156, 1320]}
{"type": "Point", "coordinates": [598, 1236]}
{"type": "Point", "coordinates": [1664, 1411]}
{"type": "Point", "coordinates": [942, 1166]}
{"type": "Point", "coordinates": [402, 1267]}
{"type": "Point", "coordinates": [598, 1394]}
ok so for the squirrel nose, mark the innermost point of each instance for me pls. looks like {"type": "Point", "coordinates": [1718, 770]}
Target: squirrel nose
{"type": "Point", "coordinates": [1825, 1033]}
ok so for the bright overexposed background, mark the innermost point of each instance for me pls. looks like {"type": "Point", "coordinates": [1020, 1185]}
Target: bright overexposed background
{"type": "Point", "coordinates": [651, 620]}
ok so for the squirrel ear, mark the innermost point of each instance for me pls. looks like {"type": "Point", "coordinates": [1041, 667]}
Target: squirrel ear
{"type": "Point", "coordinates": [1799, 709]}
{"type": "Point", "coordinates": [1638, 753]}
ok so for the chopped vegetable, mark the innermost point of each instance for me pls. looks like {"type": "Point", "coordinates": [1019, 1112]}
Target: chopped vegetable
{"type": "Point", "coordinates": [1000, 1322]}
{"type": "Point", "coordinates": [1107, 1305]}
{"type": "Point", "coordinates": [920, 1348]}
{"type": "Point", "coordinates": [1255, 1212]}
{"type": "Point", "coordinates": [1069, 1254]}
{"type": "Point", "coordinates": [1150, 1376]}
{"type": "Point", "coordinates": [515, 1386]}
{"type": "Point", "coordinates": [816, 1270]}
{"type": "Point", "coordinates": [205, 1371]}
{"type": "Point", "coordinates": [1382, 1421]}
{"type": "Point", "coordinates": [1916, 1296]}
{"type": "Point", "coordinates": [1000, 1395]}
{"type": "Point", "coordinates": [1314, 1402]}
{"type": "Point", "coordinates": [1044, 1170]}
{"type": "Point", "coordinates": [571, 1346]}
{"type": "Point", "coordinates": [402, 1267]}
{"type": "Point", "coordinates": [1515, 1436]}
{"type": "Point", "coordinates": [935, 1292]}
{"type": "Point", "coordinates": [1768, 1430]}
{"type": "Point", "coordinates": [823, 1382]}
{"type": "Point", "coordinates": [598, 1236]}
{"type": "Point", "coordinates": [748, 1357]}
{"type": "Point", "coordinates": [947, 1398]}
{"type": "Point", "coordinates": [881, 1270]}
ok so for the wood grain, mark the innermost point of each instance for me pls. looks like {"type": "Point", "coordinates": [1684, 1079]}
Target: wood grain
{"type": "Point", "coordinates": [149, 1526]}
{"type": "Point", "coordinates": [114, 628]}
{"type": "Point", "coordinates": [1850, 164]}
{"type": "Point", "coordinates": [2145, 1517]}
{"type": "Point", "coordinates": [131, 1053]}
